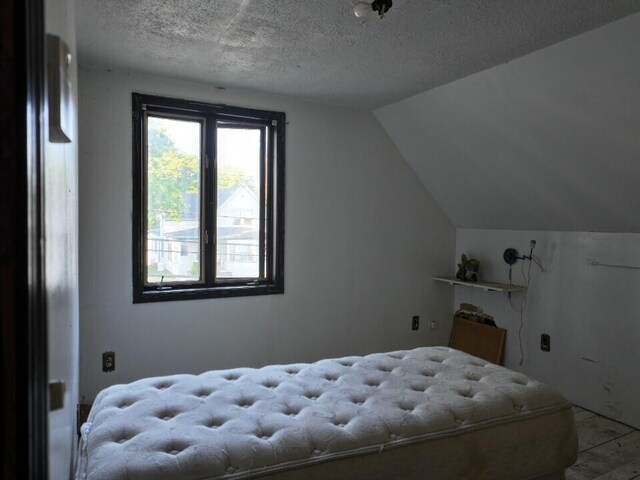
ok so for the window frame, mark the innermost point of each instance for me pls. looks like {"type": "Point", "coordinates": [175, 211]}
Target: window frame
{"type": "Point", "coordinates": [272, 183]}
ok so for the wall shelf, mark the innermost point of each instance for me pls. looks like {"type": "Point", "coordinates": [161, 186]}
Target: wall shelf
{"type": "Point", "coordinates": [486, 286]}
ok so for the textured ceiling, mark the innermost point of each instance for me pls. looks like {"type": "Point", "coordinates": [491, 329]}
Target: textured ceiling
{"type": "Point", "coordinates": [319, 50]}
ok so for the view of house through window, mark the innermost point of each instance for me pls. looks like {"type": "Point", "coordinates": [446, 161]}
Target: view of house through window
{"type": "Point", "coordinates": [173, 200]}
{"type": "Point", "coordinates": [238, 212]}
{"type": "Point", "coordinates": [173, 224]}
{"type": "Point", "coordinates": [208, 200]}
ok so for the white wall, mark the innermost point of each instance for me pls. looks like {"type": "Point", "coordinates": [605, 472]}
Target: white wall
{"type": "Point", "coordinates": [363, 238]}
{"type": "Point", "coordinates": [591, 312]}
{"type": "Point", "coordinates": [61, 267]}
{"type": "Point", "coordinates": [548, 141]}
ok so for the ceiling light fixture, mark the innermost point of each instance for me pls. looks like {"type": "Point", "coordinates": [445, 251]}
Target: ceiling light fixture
{"type": "Point", "coordinates": [363, 9]}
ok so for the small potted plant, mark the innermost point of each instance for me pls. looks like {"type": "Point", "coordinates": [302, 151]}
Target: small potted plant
{"type": "Point", "coordinates": [468, 269]}
{"type": "Point", "coordinates": [473, 265]}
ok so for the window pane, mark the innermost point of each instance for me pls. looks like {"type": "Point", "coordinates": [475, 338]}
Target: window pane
{"type": "Point", "coordinates": [173, 200]}
{"type": "Point", "coordinates": [238, 211]}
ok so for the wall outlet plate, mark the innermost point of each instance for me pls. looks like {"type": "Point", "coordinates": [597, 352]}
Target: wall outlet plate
{"type": "Point", "coordinates": [108, 361]}
{"type": "Point", "coordinates": [415, 322]}
{"type": "Point", "coordinates": [545, 342]}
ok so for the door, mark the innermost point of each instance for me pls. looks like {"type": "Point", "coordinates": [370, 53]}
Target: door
{"type": "Point", "coordinates": [23, 333]}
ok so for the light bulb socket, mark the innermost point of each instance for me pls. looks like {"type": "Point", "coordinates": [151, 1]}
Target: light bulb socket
{"type": "Point", "coordinates": [382, 6]}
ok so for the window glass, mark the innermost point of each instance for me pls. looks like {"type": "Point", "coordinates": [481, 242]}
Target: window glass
{"type": "Point", "coordinates": [173, 200]}
{"type": "Point", "coordinates": [238, 213]}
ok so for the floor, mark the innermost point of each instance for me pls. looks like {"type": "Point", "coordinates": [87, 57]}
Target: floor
{"type": "Point", "coordinates": [608, 450]}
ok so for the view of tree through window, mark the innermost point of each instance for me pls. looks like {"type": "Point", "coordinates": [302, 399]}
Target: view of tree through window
{"type": "Point", "coordinates": [208, 217]}
{"type": "Point", "coordinates": [173, 200]}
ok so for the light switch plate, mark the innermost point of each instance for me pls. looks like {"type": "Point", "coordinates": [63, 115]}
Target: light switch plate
{"type": "Point", "coordinates": [56, 395]}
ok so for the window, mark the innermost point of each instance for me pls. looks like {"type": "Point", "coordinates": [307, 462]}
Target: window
{"type": "Point", "coordinates": [208, 200]}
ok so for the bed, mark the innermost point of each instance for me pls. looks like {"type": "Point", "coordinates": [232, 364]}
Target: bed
{"type": "Point", "coordinates": [430, 413]}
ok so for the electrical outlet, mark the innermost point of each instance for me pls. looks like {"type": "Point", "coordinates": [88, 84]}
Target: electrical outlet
{"type": "Point", "coordinates": [108, 361]}
{"type": "Point", "coordinates": [545, 342]}
{"type": "Point", "coordinates": [433, 324]}
{"type": "Point", "coordinates": [415, 322]}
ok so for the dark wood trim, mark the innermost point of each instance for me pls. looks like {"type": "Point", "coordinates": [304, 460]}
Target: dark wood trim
{"type": "Point", "coordinates": [279, 193]}
{"type": "Point", "coordinates": [264, 166]}
{"type": "Point", "coordinates": [208, 255]}
{"type": "Point", "coordinates": [202, 120]}
{"type": "Point", "coordinates": [269, 224]}
{"type": "Point", "coordinates": [137, 245]}
{"type": "Point", "coordinates": [23, 337]}
{"type": "Point", "coordinates": [168, 103]}
{"type": "Point", "coordinates": [269, 282]}
{"type": "Point", "coordinates": [200, 293]}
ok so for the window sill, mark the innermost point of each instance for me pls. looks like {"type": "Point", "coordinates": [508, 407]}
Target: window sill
{"type": "Point", "coordinates": [147, 296]}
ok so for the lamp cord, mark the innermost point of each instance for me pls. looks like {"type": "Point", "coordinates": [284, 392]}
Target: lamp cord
{"type": "Point", "coordinates": [527, 279]}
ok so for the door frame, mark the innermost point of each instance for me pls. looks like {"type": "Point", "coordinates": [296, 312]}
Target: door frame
{"type": "Point", "coordinates": [23, 333]}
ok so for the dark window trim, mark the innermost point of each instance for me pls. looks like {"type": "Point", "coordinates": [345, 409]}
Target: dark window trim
{"type": "Point", "coordinates": [274, 124]}
{"type": "Point", "coordinates": [173, 115]}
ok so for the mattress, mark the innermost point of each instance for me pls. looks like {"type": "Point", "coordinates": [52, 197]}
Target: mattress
{"type": "Point", "coordinates": [431, 412]}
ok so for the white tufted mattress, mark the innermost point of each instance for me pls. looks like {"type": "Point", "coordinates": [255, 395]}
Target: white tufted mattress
{"type": "Point", "coordinates": [430, 413]}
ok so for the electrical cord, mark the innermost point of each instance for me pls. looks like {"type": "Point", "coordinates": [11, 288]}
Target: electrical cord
{"type": "Point", "coordinates": [538, 262]}
{"type": "Point", "coordinates": [523, 304]}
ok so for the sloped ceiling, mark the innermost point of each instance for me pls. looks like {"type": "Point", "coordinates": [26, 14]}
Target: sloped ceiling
{"type": "Point", "coordinates": [550, 141]}
{"type": "Point", "coordinates": [319, 50]}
